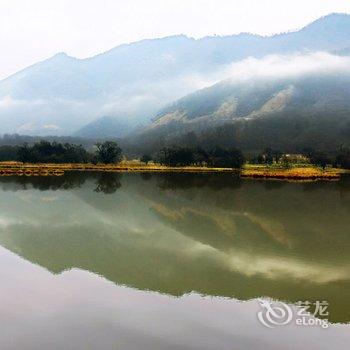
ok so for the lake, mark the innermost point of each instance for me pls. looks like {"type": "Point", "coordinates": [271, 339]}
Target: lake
{"type": "Point", "coordinates": [172, 261]}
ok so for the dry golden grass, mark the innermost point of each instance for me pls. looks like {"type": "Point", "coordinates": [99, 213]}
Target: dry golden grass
{"type": "Point", "coordinates": [254, 171]}
{"type": "Point", "coordinates": [294, 173]}
{"type": "Point", "coordinates": [18, 168]}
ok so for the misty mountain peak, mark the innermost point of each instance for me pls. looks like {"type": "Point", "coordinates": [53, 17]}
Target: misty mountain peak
{"type": "Point", "coordinates": [61, 56]}
{"type": "Point", "coordinates": [331, 22]}
{"type": "Point", "coordinates": [135, 80]}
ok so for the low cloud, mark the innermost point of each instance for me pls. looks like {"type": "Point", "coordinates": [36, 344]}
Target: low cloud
{"type": "Point", "coordinates": [7, 102]}
{"type": "Point", "coordinates": [50, 127]}
{"type": "Point", "coordinates": [35, 127]}
{"type": "Point", "coordinates": [138, 101]}
{"type": "Point", "coordinates": [287, 66]}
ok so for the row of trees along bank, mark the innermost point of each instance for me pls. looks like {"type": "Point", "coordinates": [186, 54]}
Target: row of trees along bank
{"type": "Point", "coordinates": [109, 152]}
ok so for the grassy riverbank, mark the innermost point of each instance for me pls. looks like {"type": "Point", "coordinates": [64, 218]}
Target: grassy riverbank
{"type": "Point", "coordinates": [17, 168]}
{"type": "Point", "coordinates": [306, 172]}
{"type": "Point", "coordinates": [296, 172]}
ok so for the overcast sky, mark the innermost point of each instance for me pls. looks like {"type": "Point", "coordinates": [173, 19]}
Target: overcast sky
{"type": "Point", "coordinates": [32, 30]}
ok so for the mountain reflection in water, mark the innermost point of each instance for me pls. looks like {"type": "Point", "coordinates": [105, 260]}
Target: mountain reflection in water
{"type": "Point", "coordinates": [213, 234]}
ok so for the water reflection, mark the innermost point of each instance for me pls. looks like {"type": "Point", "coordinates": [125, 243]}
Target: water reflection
{"type": "Point", "coordinates": [175, 233]}
{"type": "Point", "coordinates": [77, 310]}
{"type": "Point", "coordinates": [105, 182]}
{"type": "Point", "coordinates": [108, 183]}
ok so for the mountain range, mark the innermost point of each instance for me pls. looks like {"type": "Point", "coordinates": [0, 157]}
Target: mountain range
{"type": "Point", "coordinates": [290, 114]}
{"type": "Point", "coordinates": [121, 90]}
{"type": "Point", "coordinates": [229, 101]}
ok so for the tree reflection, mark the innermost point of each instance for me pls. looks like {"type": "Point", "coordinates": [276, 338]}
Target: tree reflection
{"type": "Point", "coordinates": [69, 181]}
{"type": "Point", "coordinates": [105, 182]}
{"type": "Point", "coordinates": [108, 182]}
{"type": "Point", "coordinates": [215, 181]}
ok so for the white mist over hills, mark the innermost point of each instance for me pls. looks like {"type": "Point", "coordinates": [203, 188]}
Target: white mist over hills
{"type": "Point", "coordinates": [129, 84]}
{"type": "Point", "coordinates": [287, 66]}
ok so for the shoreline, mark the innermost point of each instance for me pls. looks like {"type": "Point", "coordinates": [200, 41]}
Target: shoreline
{"type": "Point", "coordinates": [296, 173]}
{"type": "Point", "coordinates": [31, 169]}
{"type": "Point", "coordinates": [305, 173]}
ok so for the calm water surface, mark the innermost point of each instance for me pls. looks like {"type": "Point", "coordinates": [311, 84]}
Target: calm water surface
{"type": "Point", "coordinates": [157, 261]}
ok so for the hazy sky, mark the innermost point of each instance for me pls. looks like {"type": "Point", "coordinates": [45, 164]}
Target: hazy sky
{"type": "Point", "coordinates": [32, 30]}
